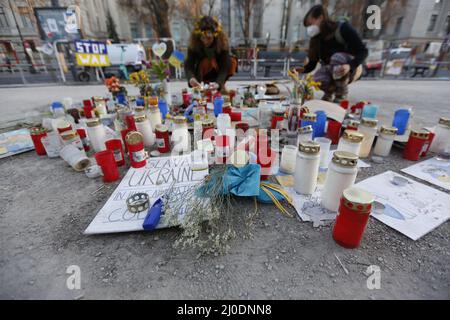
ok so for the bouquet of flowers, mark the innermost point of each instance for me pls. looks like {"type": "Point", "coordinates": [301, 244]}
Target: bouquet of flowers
{"type": "Point", "coordinates": [113, 85]}
{"type": "Point", "coordinates": [303, 87]}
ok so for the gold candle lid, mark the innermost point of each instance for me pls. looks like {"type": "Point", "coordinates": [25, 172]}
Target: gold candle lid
{"type": "Point", "coordinates": [345, 159]}
{"type": "Point", "coordinates": [140, 119]}
{"type": "Point", "coordinates": [306, 130]}
{"type": "Point", "coordinates": [69, 135]}
{"type": "Point", "coordinates": [371, 123]}
{"type": "Point", "coordinates": [134, 138]}
{"type": "Point", "coordinates": [208, 124]}
{"type": "Point", "coordinates": [310, 117]}
{"type": "Point", "coordinates": [358, 200]}
{"type": "Point", "coordinates": [309, 147]}
{"type": "Point", "coordinates": [227, 105]}
{"type": "Point", "coordinates": [161, 128]}
{"type": "Point", "coordinates": [420, 134]}
{"type": "Point", "coordinates": [36, 131]}
{"type": "Point", "coordinates": [99, 98]}
{"type": "Point", "coordinates": [390, 131]}
{"type": "Point", "coordinates": [444, 121]}
{"type": "Point", "coordinates": [179, 119]}
{"type": "Point", "coordinates": [93, 122]}
{"type": "Point", "coordinates": [139, 109]}
{"type": "Point", "coordinates": [353, 136]}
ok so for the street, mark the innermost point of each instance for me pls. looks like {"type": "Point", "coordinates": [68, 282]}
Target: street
{"type": "Point", "coordinates": [46, 206]}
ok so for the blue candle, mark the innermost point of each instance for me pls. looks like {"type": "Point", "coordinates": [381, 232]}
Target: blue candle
{"type": "Point", "coordinates": [321, 123]}
{"type": "Point", "coordinates": [218, 105]}
{"type": "Point", "coordinates": [121, 98]}
{"type": "Point", "coordinates": [401, 120]}
{"type": "Point", "coordinates": [370, 111]}
{"type": "Point", "coordinates": [163, 107]}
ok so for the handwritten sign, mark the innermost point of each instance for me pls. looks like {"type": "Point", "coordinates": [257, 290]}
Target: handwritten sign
{"type": "Point", "coordinates": [91, 53]}
{"type": "Point", "coordinates": [155, 179]}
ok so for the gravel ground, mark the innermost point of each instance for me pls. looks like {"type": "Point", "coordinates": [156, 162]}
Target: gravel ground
{"type": "Point", "coordinates": [46, 207]}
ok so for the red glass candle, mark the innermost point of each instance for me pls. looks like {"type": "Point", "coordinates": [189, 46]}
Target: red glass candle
{"type": "Point", "coordinates": [106, 161]}
{"type": "Point", "coordinates": [186, 98]}
{"type": "Point", "coordinates": [223, 149]}
{"type": "Point", "coordinates": [37, 133]}
{"type": "Point", "coordinates": [244, 126]}
{"type": "Point", "coordinates": [352, 218]}
{"type": "Point", "coordinates": [208, 129]}
{"type": "Point", "coordinates": [83, 136]}
{"type": "Point", "coordinates": [88, 109]}
{"type": "Point", "coordinates": [427, 146]}
{"type": "Point", "coordinates": [227, 109]}
{"type": "Point", "coordinates": [265, 159]}
{"type": "Point", "coordinates": [415, 145]}
{"type": "Point", "coordinates": [236, 116]}
{"type": "Point", "coordinates": [136, 151]}
{"type": "Point", "coordinates": [345, 104]}
{"type": "Point", "coordinates": [334, 131]}
{"type": "Point", "coordinates": [262, 144]}
{"type": "Point", "coordinates": [277, 116]}
{"type": "Point", "coordinates": [131, 123]}
{"type": "Point", "coordinates": [115, 146]}
{"type": "Point", "coordinates": [162, 138]}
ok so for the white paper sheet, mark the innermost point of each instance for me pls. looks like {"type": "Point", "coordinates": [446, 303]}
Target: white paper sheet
{"type": "Point", "coordinates": [433, 171]}
{"type": "Point", "coordinates": [155, 179]}
{"type": "Point", "coordinates": [414, 209]}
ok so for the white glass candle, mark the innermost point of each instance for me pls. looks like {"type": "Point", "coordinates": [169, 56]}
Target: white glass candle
{"type": "Point", "coordinates": [180, 135]}
{"type": "Point", "coordinates": [223, 123]}
{"type": "Point", "coordinates": [442, 135]}
{"type": "Point", "coordinates": [198, 132]}
{"type": "Point", "coordinates": [341, 175]}
{"type": "Point", "coordinates": [289, 159]}
{"type": "Point", "coordinates": [351, 142]}
{"type": "Point", "coordinates": [305, 134]}
{"type": "Point", "coordinates": [100, 106]}
{"type": "Point", "coordinates": [72, 137]}
{"type": "Point", "coordinates": [307, 168]}
{"type": "Point", "coordinates": [144, 127]}
{"type": "Point", "coordinates": [368, 127]}
{"type": "Point", "coordinates": [97, 134]}
{"type": "Point", "coordinates": [325, 145]}
{"type": "Point", "coordinates": [265, 115]}
{"type": "Point", "coordinates": [385, 141]}
{"type": "Point", "coordinates": [154, 116]}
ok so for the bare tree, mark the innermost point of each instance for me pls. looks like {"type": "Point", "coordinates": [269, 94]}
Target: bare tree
{"type": "Point", "coordinates": [246, 11]}
{"type": "Point", "coordinates": [287, 9]}
{"type": "Point", "coordinates": [190, 10]}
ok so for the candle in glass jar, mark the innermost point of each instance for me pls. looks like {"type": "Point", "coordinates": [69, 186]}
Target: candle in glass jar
{"type": "Point", "coordinates": [83, 136]}
{"type": "Point", "coordinates": [136, 150]}
{"type": "Point", "coordinates": [144, 126]}
{"type": "Point", "coordinates": [385, 141]}
{"type": "Point", "coordinates": [305, 134]}
{"type": "Point", "coordinates": [368, 127]}
{"type": "Point", "coordinates": [265, 115]}
{"type": "Point", "coordinates": [100, 106]}
{"type": "Point", "coordinates": [97, 134]}
{"type": "Point", "coordinates": [115, 146]}
{"type": "Point", "coordinates": [288, 159]}
{"type": "Point", "coordinates": [37, 134]}
{"type": "Point", "coordinates": [277, 118]}
{"type": "Point", "coordinates": [442, 135]}
{"type": "Point", "coordinates": [154, 116]}
{"type": "Point", "coordinates": [415, 145]}
{"type": "Point", "coordinates": [208, 129]}
{"type": "Point", "coordinates": [309, 119]}
{"type": "Point", "coordinates": [223, 123]}
{"type": "Point", "coordinates": [341, 175]}
{"type": "Point", "coordinates": [354, 212]}
{"type": "Point", "coordinates": [72, 137]}
{"type": "Point", "coordinates": [162, 138]}
{"type": "Point", "coordinates": [180, 135]}
{"type": "Point", "coordinates": [351, 142]}
{"type": "Point", "coordinates": [307, 168]}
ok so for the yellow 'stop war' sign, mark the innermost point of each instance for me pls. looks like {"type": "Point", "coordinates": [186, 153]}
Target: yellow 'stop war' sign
{"type": "Point", "coordinates": [91, 53]}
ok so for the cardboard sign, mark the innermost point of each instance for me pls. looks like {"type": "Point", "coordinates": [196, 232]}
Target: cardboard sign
{"type": "Point", "coordinates": [91, 53]}
{"type": "Point", "coordinates": [155, 179]}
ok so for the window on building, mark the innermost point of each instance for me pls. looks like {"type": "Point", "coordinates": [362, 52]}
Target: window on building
{"type": "Point", "coordinates": [134, 28]}
{"type": "Point", "coordinates": [25, 16]}
{"type": "Point", "coordinates": [447, 25]}
{"type": "Point", "coordinates": [148, 31]}
{"type": "Point", "coordinates": [398, 26]}
{"type": "Point", "coordinates": [3, 20]}
{"type": "Point", "coordinates": [432, 24]}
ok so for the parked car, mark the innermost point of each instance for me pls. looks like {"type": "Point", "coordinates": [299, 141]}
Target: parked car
{"type": "Point", "coordinates": [131, 55]}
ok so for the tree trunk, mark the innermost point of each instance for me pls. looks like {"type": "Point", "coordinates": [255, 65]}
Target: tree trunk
{"type": "Point", "coordinates": [160, 17]}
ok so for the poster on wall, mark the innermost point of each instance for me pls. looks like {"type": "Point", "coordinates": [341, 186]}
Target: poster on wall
{"type": "Point", "coordinates": [157, 178]}
{"type": "Point", "coordinates": [52, 24]}
{"type": "Point", "coordinates": [92, 53]}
